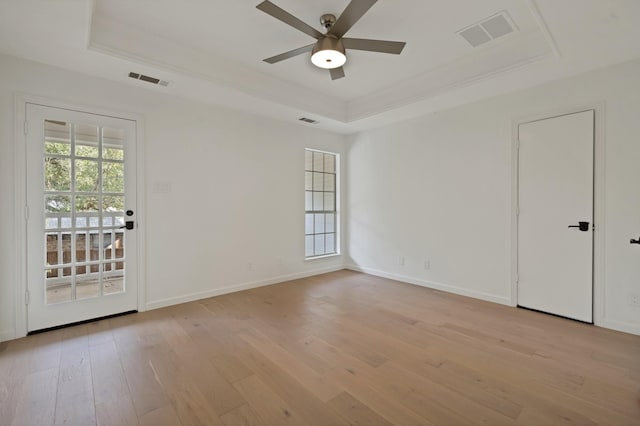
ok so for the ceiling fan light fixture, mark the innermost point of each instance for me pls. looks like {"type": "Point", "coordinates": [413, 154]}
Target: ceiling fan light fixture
{"type": "Point", "coordinates": [328, 53]}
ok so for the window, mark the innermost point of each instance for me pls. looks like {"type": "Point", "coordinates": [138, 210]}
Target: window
{"type": "Point", "coordinates": [321, 210]}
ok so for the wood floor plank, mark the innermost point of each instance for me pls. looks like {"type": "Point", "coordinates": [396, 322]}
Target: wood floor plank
{"type": "Point", "coordinates": [162, 416]}
{"type": "Point", "coordinates": [36, 402]}
{"type": "Point", "coordinates": [242, 416]}
{"type": "Point", "coordinates": [355, 411]}
{"type": "Point", "coordinates": [266, 403]}
{"type": "Point", "coordinates": [75, 402]}
{"type": "Point", "coordinates": [114, 404]}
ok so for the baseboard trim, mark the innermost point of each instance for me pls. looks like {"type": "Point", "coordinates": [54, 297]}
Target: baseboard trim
{"type": "Point", "coordinates": [156, 304]}
{"type": "Point", "coordinates": [625, 327]}
{"type": "Point", "coordinates": [7, 335]}
{"type": "Point", "coordinates": [434, 285]}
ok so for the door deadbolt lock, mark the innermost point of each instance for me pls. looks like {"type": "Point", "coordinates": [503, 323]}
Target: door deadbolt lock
{"type": "Point", "coordinates": [635, 241]}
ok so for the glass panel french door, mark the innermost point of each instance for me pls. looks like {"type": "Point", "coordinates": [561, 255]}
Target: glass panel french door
{"type": "Point", "coordinates": [81, 193]}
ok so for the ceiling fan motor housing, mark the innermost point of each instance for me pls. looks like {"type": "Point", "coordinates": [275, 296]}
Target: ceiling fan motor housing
{"type": "Point", "coordinates": [323, 54]}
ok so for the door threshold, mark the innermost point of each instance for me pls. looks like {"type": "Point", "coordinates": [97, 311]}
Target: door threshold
{"type": "Point", "coordinates": [57, 327]}
{"type": "Point", "coordinates": [554, 315]}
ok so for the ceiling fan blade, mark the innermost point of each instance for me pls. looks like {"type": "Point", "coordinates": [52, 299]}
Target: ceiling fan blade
{"type": "Point", "coordinates": [289, 54]}
{"type": "Point", "coordinates": [284, 16]}
{"type": "Point", "coordinates": [350, 16]}
{"type": "Point", "coordinates": [382, 46]}
{"type": "Point", "coordinates": [336, 73]}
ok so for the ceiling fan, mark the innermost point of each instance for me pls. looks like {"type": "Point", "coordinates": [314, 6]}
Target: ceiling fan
{"type": "Point", "coordinates": [329, 51]}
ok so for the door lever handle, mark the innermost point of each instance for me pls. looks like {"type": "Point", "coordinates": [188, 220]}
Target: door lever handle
{"type": "Point", "coordinates": [635, 241]}
{"type": "Point", "coordinates": [127, 225]}
{"type": "Point", "coordinates": [584, 226]}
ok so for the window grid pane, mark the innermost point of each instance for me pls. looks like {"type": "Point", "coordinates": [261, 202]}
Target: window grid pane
{"type": "Point", "coordinates": [320, 203]}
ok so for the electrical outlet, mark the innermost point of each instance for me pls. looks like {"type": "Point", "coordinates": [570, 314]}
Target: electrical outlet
{"type": "Point", "coordinates": [634, 299]}
{"type": "Point", "coordinates": [401, 260]}
{"type": "Point", "coordinates": [427, 265]}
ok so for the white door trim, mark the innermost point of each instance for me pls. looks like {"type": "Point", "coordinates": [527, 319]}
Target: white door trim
{"type": "Point", "coordinates": [598, 202]}
{"type": "Point", "coordinates": [20, 192]}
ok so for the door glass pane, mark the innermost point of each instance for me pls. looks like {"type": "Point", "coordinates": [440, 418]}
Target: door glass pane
{"type": "Point", "coordinates": [95, 247]}
{"type": "Point", "coordinates": [57, 173]}
{"type": "Point", "coordinates": [59, 290]}
{"type": "Point", "coordinates": [113, 154]}
{"type": "Point", "coordinates": [81, 247]}
{"type": "Point", "coordinates": [87, 285]}
{"type": "Point", "coordinates": [87, 203]}
{"type": "Point", "coordinates": [113, 204]}
{"type": "Point", "coordinates": [86, 176]}
{"type": "Point", "coordinates": [57, 137]}
{"type": "Point", "coordinates": [85, 150]}
{"type": "Point", "coordinates": [57, 203]}
{"type": "Point", "coordinates": [52, 253]}
{"type": "Point", "coordinates": [112, 177]}
{"type": "Point", "coordinates": [66, 251]}
{"type": "Point", "coordinates": [87, 141]}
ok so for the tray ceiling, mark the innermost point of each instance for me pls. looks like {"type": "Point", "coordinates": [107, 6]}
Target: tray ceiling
{"type": "Point", "coordinates": [212, 51]}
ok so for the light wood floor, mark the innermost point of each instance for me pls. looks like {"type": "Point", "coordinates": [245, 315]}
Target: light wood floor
{"type": "Point", "coordinates": [337, 349]}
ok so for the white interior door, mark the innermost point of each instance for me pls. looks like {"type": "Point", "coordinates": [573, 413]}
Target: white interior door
{"type": "Point", "coordinates": [555, 260]}
{"type": "Point", "coordinates": [81, 192]}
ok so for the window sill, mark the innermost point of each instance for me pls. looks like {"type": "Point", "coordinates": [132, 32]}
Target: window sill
{"type": "Point", "coordinates": [324, 256]}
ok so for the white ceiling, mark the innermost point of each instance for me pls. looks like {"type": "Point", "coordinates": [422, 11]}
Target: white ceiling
{"type": "Point", "coordinates": [212, 51]}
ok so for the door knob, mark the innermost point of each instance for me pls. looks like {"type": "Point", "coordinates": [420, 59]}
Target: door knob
{"type": "Point", "coordinates": [128, 225]}
{"type": "Point", "coordinates": [584, 226]}
{"type": "Point", "coordinates": [635, 241]}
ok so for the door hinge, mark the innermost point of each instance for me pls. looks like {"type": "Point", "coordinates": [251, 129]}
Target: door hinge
{"type": "Point", "coordinates": [26, 212]}
{"type": "Point", "coordinates": [26, 297]}
{"type": "Point", "coordinates": [26, 127]}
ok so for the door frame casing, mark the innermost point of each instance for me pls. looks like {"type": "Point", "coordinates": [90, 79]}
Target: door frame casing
{"type": "Point", "coordinates": [599, 109]}
{"type": "Point", "coordinates": [20, 197]}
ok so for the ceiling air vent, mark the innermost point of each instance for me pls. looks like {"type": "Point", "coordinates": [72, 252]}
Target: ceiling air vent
{"type": "Point", "coordinates": [488, 29]}
{"type": "Point", "coordinates": [148, 79]}
{"type": "Point", "coordinates": [308, 120]}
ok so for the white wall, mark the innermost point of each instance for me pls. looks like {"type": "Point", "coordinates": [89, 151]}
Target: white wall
{"type": "Point", "coordinates": [236, 180]}
{"type": "Point", "coordinates": [438, 188]}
